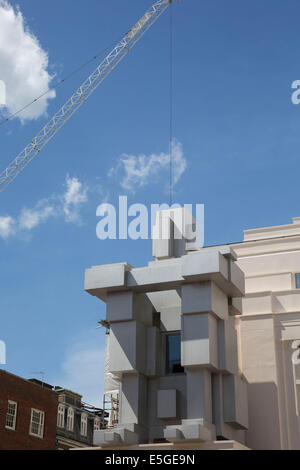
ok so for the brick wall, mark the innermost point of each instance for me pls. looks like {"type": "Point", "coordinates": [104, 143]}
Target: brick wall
{"type": "Point", "coordinates": [27, 395]}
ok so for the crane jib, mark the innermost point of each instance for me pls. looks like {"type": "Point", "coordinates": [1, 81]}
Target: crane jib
{"type": "Point", "coordinates": [82, 93]}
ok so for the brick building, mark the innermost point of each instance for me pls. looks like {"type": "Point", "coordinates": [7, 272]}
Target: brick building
{"type": "Point", "coordinates": [37, 416]}
{"type": "Point", "coordinates": [28, 414]}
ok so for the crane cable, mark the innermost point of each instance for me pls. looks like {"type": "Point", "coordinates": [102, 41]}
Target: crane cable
{"type": "Point", "coordinates": [171, 102]}
{"type": "Point", "coordinates": [60, 82]}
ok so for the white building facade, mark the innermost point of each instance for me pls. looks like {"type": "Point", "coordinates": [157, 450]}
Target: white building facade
{"type": "Point", "coordinates": [200, 344]}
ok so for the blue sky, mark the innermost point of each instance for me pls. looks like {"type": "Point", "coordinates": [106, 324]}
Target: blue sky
{"type": "Point", "coordinates": [234, 63]}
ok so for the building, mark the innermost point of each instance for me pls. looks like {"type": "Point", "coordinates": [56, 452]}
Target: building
{"type": "Point", "coordinates": [269, 334]}
{"type": "Point", "coordinates": [76, 421]}
{"type": "Point", "coordinates": [201, 341]}
{"type": "Point", "coordinates": [35, 415]}
{"type": "Point", "coordinates": [28, 414]}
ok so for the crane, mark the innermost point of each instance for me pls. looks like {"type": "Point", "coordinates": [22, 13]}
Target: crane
{"type": "Point", "coordinates": [19, 163]}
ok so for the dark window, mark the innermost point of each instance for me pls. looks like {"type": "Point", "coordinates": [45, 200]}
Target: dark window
{"type": "Point", "coordinates": [174, 354]}
{"type": "Point", "coordinates": [297, 278]}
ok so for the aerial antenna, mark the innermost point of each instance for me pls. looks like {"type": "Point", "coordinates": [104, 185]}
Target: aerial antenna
{"type": "Point", "coordinates": [42, 375]}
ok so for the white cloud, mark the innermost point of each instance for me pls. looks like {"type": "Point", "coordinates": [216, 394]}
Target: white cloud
{"type": "Point", "coordinates": [139, 171]}
{"type": "Point", "coordinates": [7, 225]}
{"type": "Point", "coordinates": [31, 218]}
{"type": "Point", "coordinates": [134, 171]}
{"type": "Point", "coordinates": [74, 197]}
{"type": "Point", "coordinates": [23, 64]}
{"type": "Point", "coordinates": [82, 369]}
{"type": "Point", "coordinates": [67, 205]}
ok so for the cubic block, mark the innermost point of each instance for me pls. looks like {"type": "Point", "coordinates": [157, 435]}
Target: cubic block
{"type": "Point", "coordinates": [237, 277]}
{"type": "Point", "coordinates": [172, 434]}
{"type": "Point", "coordinates": [101, 278]}
{"type": "Point", "coordinates": [235, 406]}
{"type": "Point", "coordinates": [199, 394]}
{"type": "Point", "coordinates": [197, 264]}
{"type": "Point", "coordinates": [204, 297]}
{"type": "Point", "coordinates": [122, 306]}
{"type": "Point", "coordinates": [162, 276]}
{"type": "Point", "coordinates": [133, 401]}
{"type": "Point", "coordinates": [119, 306]}
{"type": "Point", "coordinates": [199, 340]}
{"type": "Point", "coordinates": [162, 248]}
{"type": "Point", "coordinates": [106, 438]}
{"type": "Point", "coordinates": [227, 346]}
{"type": "Point", "coordinates": [127, 347]}
{"type": "Point", "coordinates": [170, 318]}
{"type": "Point", "coordinates": [211, 265]}
{"type": "Point", "coordinates": [166, 404]}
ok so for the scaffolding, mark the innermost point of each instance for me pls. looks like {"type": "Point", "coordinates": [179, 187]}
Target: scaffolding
{"type": "Point", "coordinates": [111, 389]}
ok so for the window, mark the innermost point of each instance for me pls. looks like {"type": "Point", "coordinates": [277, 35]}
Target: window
{"type": "Point", "coordinates": [70, 419]}
{"type": "Point", "coordinates": [174, 354]}
{"type": "Point", "coordinates": [83, 427]}
{"type": "Point", "coordinates": [61, 416]}
{"type": "Point", "coordinates": [297, 280]}
{"type": "Point", "coordinates": [96, 424]}
{"type": "Point", "coordinates": [37, 423]}
{"type": "Point", "coordinates": [11, 415]}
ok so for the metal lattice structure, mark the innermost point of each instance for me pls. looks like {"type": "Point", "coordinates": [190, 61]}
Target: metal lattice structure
{"type": "Point", "coordinates": [82, 93]}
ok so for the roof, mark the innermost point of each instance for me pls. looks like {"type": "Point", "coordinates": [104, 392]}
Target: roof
{"type": "Point", "coordinates": [34, 382]}
{"type": "Point", "coordinates": [62, 390]}
{"type": "Point", "coordinates": [41, 383]}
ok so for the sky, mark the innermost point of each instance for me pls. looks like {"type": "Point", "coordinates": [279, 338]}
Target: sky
{"type": "Point", "coordinates": [236, 150]}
